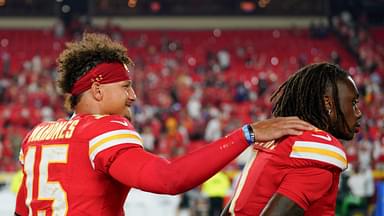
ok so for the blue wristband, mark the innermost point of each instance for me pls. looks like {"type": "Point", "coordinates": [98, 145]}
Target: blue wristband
{"type": "Point", "coordinates": [248, 134]}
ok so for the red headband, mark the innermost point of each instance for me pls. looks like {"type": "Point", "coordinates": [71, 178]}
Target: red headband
{"type": "Point", "coordinates": [103, 73]}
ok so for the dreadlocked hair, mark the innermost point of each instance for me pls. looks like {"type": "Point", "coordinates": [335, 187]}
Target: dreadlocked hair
{"type": "Point", "coordinates": [302, 95]}
{"type": "Point", "coordinates": [81, 56]}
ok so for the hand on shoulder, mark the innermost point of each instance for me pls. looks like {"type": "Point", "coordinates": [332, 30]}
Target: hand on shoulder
{"type": "Point", "coordinates": [275, 128]}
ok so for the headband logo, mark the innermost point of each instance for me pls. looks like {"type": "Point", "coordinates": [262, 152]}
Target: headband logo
{"type": "Point", "coordinates": [98, 78]}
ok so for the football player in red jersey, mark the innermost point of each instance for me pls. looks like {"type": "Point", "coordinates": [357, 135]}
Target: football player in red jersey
{"type": "Point", "coordinates": [300, 175]}
{"type": "Point", "coordinates": [86, 165]}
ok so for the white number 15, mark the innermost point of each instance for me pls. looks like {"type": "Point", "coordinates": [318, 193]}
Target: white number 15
{"type": "Point", "coordinates": [46, 190]}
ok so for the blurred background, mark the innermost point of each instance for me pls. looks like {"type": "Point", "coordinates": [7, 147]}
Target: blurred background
{"type": "Point", "coordinates": [203, 68]}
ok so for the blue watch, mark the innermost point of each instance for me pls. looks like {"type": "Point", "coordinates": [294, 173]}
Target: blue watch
{"type": "Point", "coordinates": [249, 134]}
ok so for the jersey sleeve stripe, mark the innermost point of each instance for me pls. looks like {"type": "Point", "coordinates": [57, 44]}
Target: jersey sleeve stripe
{"type": "Point", "coordinates": [320, 152]}
{"type": "Point", "coordinates": [320, 146]}
{"type": "Point", "coordinates": [110, 144]}
{"type": "Point", "coordinates": [95, 140]}
{"type": "Point", "coordinates": [111, 139]}
{"type": "Point", "coordinates": [126, 137]}
{"type": "Point", "coordinates": [322, 158]}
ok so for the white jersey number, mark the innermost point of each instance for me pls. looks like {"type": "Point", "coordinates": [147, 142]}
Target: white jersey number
{"type": "Point", "coordinates": [46, 190]}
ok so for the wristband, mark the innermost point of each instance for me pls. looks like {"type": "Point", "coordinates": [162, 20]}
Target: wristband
{"type": "Point", "coordinates": [249, 134]}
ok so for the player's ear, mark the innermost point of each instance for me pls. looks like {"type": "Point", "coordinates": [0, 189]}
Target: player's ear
{"type": "Point", "coordinates": [97, 91]}
{"type": "Point", "coordinates": [328, 103]}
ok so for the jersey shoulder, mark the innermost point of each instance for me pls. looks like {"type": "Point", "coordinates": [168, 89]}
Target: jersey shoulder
{"type": "Point", "coordinates": [104, 130]}
{"type": "Point", "coordinates": [93, 125]}
{"type": "Point", "coordinates": [320, 148]}
{"type": "Point", "coordinates": [107, 134]}
{"type": "Point", "coordinates": [318, 135]}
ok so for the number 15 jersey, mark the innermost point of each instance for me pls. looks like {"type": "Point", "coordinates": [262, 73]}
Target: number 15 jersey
{"type": "Point", "coordinates": [64, 165]}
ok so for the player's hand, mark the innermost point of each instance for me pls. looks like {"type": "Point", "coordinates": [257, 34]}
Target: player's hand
{"type": "Point", "coordinates": [271, 129]}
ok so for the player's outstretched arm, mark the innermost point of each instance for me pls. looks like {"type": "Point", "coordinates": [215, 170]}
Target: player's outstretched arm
{"type": "Point", "coordinates": [145, 171]}
{"type": "Point", "coordinates": [275, 128]}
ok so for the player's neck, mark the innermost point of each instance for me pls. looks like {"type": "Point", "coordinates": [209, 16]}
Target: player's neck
{"type": "Point", "coordinates": [86, 106]}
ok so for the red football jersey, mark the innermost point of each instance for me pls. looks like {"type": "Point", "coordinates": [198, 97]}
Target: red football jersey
{"type": "Point", "coordinates": [87, 165]}
{"type": "Point", "coordinates": [64, 164]}
{"type": "Point", "coordinates": [304, 168]}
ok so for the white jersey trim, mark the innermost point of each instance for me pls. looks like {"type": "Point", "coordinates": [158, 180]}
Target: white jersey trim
{"type": "Point", "coordinates": [321, 152]}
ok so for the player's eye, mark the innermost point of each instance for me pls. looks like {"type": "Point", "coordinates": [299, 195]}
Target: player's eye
{"type": "Point", "coordinates": [127, 86]}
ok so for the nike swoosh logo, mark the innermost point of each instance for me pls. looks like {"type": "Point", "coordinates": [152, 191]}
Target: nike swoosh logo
{"type": "Point", "coordinates": [121, 122]}
{"type": "Point", "coordinates": [327, 137]}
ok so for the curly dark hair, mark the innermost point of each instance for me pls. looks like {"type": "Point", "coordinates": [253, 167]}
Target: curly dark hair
{"type": "Point", "coordinates": [302, 95]}
{"type": "Point", "coordinates": [81, 56]}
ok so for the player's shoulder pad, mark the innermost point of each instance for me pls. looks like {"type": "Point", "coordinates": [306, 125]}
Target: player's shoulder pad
{"type": "Point", "coordinates": [320, 147]}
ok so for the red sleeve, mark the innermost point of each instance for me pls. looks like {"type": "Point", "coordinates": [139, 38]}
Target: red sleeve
{"type": "Point", "coordinates": [306, 185]}
{"type": "Point", "coordinates": [142, 170]}
{"type": "Point", "coordinates": [21, 208]}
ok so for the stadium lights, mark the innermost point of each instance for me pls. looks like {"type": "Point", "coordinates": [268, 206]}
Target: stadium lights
{"type": "Point", "coordinates": [132, 3]}
{"type": "Point", "coordinates": [247, 6]}
{"type": "Point", "coordinates": [155, 6]}
{"type": "Point", "coordinates": [263, 3]}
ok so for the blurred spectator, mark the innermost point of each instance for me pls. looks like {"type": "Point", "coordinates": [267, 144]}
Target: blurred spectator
{"type": "Point", "coordinates": [213, 130]}
{"type": "Point", "coordinates": [241, 93]}
{"type": "Point", "coordinates": [224, 59]}
{"type": "Point", "coordinates": [318, 30]}
{"type": "Point", "coordinates": [6, 62]}
{"type": "Point", "coordinates": [194, 104]}
{"type": "Point", "coordinates": [362, 188]}
{"type": "Point", "coordinates": [365, 155]}
{"type": "Point", "coordinates": [263, 84]}
{"type": "Point", "coordinates": [172, 143]}
{"type": "Point", "coordinates": [148, 139]}
{"type": "Point", "coordinates": [216, 189]}
{"type": "Point", "coordinates": [36, 64]}
{"type": "Point", "coordinates": [335, 57]}
{"type": "Point", "coordinates": [113, 30]}
{"type": "Point", "coordinates": [59, 29]}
